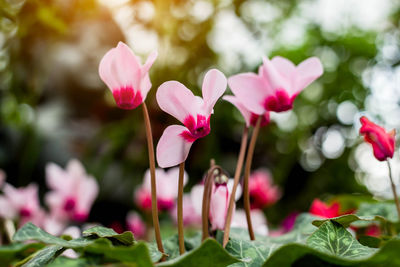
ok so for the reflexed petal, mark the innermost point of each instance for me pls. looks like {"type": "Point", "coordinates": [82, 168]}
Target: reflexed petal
{"type": "Point", "coordinates": [274, 78]}
{"type": "Point", "coordinates": [238, 189]}
{"type": "Point", "coordinates": [108, 71]}
{"type": "Point", "coordinates": [308, 71]}
{"type": "Point", "coordinates": [218, 207]}
{"type": "Point", "coordinates": [196, 195]}
{"type": "Point", "coordinates": [284, 66]}
{"type": "Point", "coordinates": [149, 62]}
{"type": "Point", "coordinates": [87, 193]}
{"type": "Point", "coordinates": [250, 90]}
{"type": "Point", "coordinates": [243, 110]}
{"type": "Point", "coordinates": [175, 99]}
{"type": "Point", "coordinates": [172, 148]}
{"type": "Point", "coordinates": [214, 86]}
{"type": "Point", "coordinates": [56, 178]}
{"type": "Point", "coordinates": [128, 66]}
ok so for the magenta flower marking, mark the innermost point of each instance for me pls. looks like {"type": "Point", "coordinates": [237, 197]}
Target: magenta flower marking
{"type": "Point", "coordinates": [249, 117]}
{"type": "Point", "coordinates": [129, 81]}
{"type": "Point", "coordinates": [193, 111]}
{"type": "Point", "coordinates": [277, 84]}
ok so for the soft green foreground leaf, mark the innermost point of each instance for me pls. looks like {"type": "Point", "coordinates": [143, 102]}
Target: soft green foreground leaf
{"type": "Point", "coordinates": [383, 209]}
{"type": "Point", "coordinates": [346, 220]}
{"type": "Point", "coordinates": [251, 253]}
{"type": "Point", "coordinates": [210, 253]}
{"type": "Point", "coordinates": [44, 256]}
{"type": "Point", "coordinates": [13, 252]}
{"type": "Point", "coordinates": [125, 238]}
{"type": "Point", "coordinates": [31, 232]}
{"type": "Point", "coordinates": [137, 254]}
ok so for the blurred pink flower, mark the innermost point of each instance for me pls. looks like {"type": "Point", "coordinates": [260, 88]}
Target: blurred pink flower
{"type": "Point", "coordinates": [121, 71]}
{"type": "Point", "coordinates": [250, 118]}
{"type": "Point", "coordinates": [167, 189]}
{"type": "Point", "coordinates": [136, 225]}
{"type": "Point", "coordinates": [219, 202]}
{"type": "Point", "coordinates": [21, 204]}
{"type": "Point", "coordinates": [323, 210]}
{"type": "Point", "coordinates": [193, 111]}
{"type": "Point", "coordinates": [258, 220]}
{"type": "Point", "coordinates": [382, 142]}
{"type": "Point", "coordinates": [73, 191]}
{"type": "Point", "coordinates": [277, 84]}
{"type": "Point", "coordinates": [191, 216]}
{"type": "Point", "coordinates": [263, 192]}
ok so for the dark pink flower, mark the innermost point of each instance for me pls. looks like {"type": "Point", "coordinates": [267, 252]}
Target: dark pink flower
{"type": "Point", "coordinates": [193, 111]}
{"type": "Point", "coordinates": [263, 192]}
{"type": "Point", "coordinates": [323, 210]}
{"type": "Point", "coordinates": [122, 72]}
{"type": "Point", "coordinates": [277, 84]}
{"type": "Point", "coordinates": [382, 142]}
{"type": "Point", "coordinates": [136, 225]}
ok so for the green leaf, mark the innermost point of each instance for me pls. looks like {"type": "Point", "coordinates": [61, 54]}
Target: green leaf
{"type": "Point", "coordinates": [138, 253]}
{"type": "Point", "coordinates": [346, 220]}
{"type": "Point", "coordinates": [155, 254]}
{"type": "Point", "coordinates": [44, 256]}
{"type": "Point", "coordinates": [125, 238]}
{"type": "Point", "coordinates": [383, 209]}
{"type": "Point", "coordinates": [210, 253]}
{"type": "Point", "coordinates": [12, 252]}
{"type": "Point", "coordinates": [333, 238]}
{"type": "Point", "coordinates": [68, 262]}
{"type": "Point", "coordinates": [31, 232]}
{"type": "Point", "coordinates": [251, 253]}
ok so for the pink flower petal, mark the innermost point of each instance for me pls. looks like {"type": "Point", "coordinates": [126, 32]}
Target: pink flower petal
{"type": "Point", "coordinates": [149, 62]}
{"type": "Point", "coordinates": [196, 196]}
{"type": "Point", "coordinates": [128, 66]}
{"type": "Point", "coordinates": [239, 105]}
{"type": "Point", "coordinates": [250, 89]}
{"type": "Point", "coordinates": [274, 78]}
{"type": "Point", "coordinates": [172, 148]}
{"type": "Point", "coordinates": [214, 86]}
{"type": "Point", "coordinates": [308, 71]}
{"type": "Point", "coordinates": [175, 99]}
{"type": "Point", "coordinates": [218, 207]}
{"type": "Point", "coordinates": [284, 66]}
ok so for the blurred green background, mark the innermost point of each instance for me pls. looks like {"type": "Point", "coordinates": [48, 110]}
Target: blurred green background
{"type": "Point", "coordinates": [54, 107]}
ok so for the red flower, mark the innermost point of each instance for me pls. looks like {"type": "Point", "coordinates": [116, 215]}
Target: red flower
{"type": "Point", "coordinates": [382, 142]}
{"type": "Point", "coordinates": [321, 209]}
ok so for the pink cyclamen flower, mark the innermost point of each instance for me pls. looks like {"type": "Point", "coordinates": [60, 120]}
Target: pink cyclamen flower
{"type": "Point", "coordinates": [167, 189]}
{"type": "Point", "coordinates": [258, 220]}
{"type": "Point", "coordinates": [263, 192]}
{"type": "Point", "coordinates": [128, 80]}
{"type": "Point", "coordinates": [73, 191]}
{"type": "Point", "coordinates": [277, 84]}
{"type": "Point", "coordinates": [250, 118]}
{"type": "Point", "coordinates": [22, 204]}
{"type": "Point", "coordinates": [191, 216]}
{"type": "Point", "coordinates": [219, 202]}
{"type": "Point", "coordinates": [193, 111]}
{"type": "Point", "coordinates": [382, 142]}
{"type": "Point", "coordinates": [136, 225]}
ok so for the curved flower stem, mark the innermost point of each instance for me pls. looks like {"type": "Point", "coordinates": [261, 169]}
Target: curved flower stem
{"type": "Point", "coordinates": [396, 199]}
{"type": "Point", "coordinates": [154, 209]}
{"type": "Point", "coordinates": [208, 183]}
{"type": "Point", "coordinates": [246, 193]}
{"type": "Point", "coordinates": [238, 170]}
{"type": "Point", "coordinates": [180, 209]}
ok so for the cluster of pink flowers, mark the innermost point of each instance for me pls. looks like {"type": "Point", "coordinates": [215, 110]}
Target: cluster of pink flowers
{"type": "Point", "coordinates": [72, 193]}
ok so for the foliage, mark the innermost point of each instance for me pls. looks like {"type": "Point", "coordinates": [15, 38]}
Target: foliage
{"type": "Point", "coordinates": [312, 242]}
